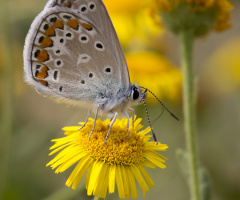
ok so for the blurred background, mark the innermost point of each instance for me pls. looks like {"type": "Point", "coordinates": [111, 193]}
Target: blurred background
{"type": "Point", "coordinates": [29, 121]}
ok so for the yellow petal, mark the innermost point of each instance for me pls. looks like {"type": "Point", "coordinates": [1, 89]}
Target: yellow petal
{"type": "Point", "coordinates": [75, 158]}
{"type": "Point", "coordinates": [80, 168]}
{"type": "Point", "coordinates": [105, 183]}
{"type": "Point", "coordinates": [146, 176]}
{"type": "Point", "coordinates": [140, 179]}
{"type": "Point", "coordinates": [132, 183]}
{"type": "Point", "coordinates": [94, 176]}
{"type": "Point", "coordinates": [125, 181]}
{"type": "Point", "coordinates": [111, 183]}
{"type": "Point", "coordinates": [119, 181]}
{"type": "Point", "coordinates": [100, 180]}
{"type": "Point", "coordinates": [154, 159]}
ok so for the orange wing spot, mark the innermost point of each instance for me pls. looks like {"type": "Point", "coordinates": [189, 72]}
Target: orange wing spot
{"type": "Point", "coordinates": [45, 83]}
{"type": "Point", "coordinates": [68, 4]}
{"type": "Point", "coordinates": [43, 73]}
{"type": "Point", "coordinates": [42, 56]}
{"type": "Point", "coordinates": [87, 26]}
{"type": "Point", "coordinates": [50, 31]}
{"type": "Point", "coordinates": [73, 23]}
{"type": "Point", "coordinates": [58, 24]}
{"type": "Point", "coordinates": [47, 42]}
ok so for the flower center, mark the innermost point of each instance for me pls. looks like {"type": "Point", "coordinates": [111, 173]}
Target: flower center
{"type": "Point", "coordinates": [117, 150]}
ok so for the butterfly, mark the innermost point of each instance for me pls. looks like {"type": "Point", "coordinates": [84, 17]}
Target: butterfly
{"type": "Point", "coordinates": [72, 54]}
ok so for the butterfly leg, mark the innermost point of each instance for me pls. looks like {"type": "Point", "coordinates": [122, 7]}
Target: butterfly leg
{"type": "Point", "coordinates": [133, 115]}
{"type": "Point", "coordinates": [94, 123]}
{"type": "Point", "coordinates": [89, 111]}
{"type": "Point", "coordinates": [127, 116]}
{"type": "Point", "coordinates": [113, 120]}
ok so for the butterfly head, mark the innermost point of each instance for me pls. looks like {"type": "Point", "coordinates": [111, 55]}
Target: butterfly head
{"type": "Point", "coordinates": [137, 96]}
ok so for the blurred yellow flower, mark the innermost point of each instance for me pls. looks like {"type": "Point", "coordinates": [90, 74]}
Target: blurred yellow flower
{"type": "Point", "coordinates": [136, 30]}
{"type": "Point", "coordinates": [199, 16]}
{"type": "Point", "coordinates": [153, 71]}
{"type": "Point", "coordinates": [222, 71]}
{"type": "Point", "coordinates": [132, 21]}
{"type": "Point", "coordinates": [116, 160]}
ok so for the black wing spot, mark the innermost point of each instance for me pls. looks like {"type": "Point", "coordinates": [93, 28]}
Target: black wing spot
{"type": "Point", "coordinates": [61, 40]}
{"type": "Point", "coordinates": [83, 9]}
{"type": "Point", "coordinates": [90, 75]}
{"type": "Point", "coordinates": [38, 66]}
{"type": "Point", "coordinates": [60, 88]}
{"type": "Point", "coordinates": [53, 19]}
{"type": "Point", "coordinates": [108, 70]}
{"type": "Point", "coordinates": [98, 45]}
{"type": "Point", "coordinates": [59, 62]}
{"type": "Point", "coordinates": [55, 75]}
{"type": "Point", "coordinates": [66, 16]}
{"type": "Point", "coordinates": [41, 39]}
{"type": "Point", "coordinates": [68, 34]}
{"type": "Point", "coordinates": [45, 27]}
{"type": "Point", "coordinates": [82, 82]}
{"type": "Point", "coordinates": [83, 38]}
{"type": "Point", "coordinates": [58, 51]}
{"type": "Point", "coordinates": [36, 53]}
{"type": "Point", "coordinates": [92, 6]}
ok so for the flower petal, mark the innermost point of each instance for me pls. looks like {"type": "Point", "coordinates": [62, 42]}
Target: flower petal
{"type": "Point", "coordinates": [97, 166]}
{"type": "Point", "coordinates": [125, 181]}
{"type": "Point", "coordinates": [146, 176]}
{"type": "Point", "coordinates": [78, 172]}
{"type": "Point", "coordinates": [140, 179]}
{"type": "Point", "coordinates": [100, 180]}
{"type": "Point", "coordinates": [132, 182]}
{"type": "Point", "coordinates": [105, 183]}
{"type": "Point", "coordinates": [73, 159]}
{"type": "Point", "coordinates": [111, 183]}
{"type": "Point", "coordinates": [119, 181]}
{"type": "Point", "coordinates": [156, 160]}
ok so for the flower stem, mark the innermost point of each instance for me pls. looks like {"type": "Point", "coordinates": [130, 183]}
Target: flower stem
{"type": "Point", "coordinates": [187, 40]}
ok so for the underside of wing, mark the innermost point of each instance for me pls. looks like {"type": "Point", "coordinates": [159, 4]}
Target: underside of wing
{"type": "Point", "coordinates": [95, 12]}
{"type": "Point", "coordinates": [66, 57]}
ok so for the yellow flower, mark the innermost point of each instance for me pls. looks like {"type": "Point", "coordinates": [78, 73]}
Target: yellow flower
{"type": "Point", "coordinates": [222, 69]}
{"type": "Point", "coordinates": [197, 16]}
{"type": "Point", "coordinates": [132, 21]}
{"type": "Point", "coordinates": [116, 160]}
{"type": "Point", "coordinates": [153, 71]}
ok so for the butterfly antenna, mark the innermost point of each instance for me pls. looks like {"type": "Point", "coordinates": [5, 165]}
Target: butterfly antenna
{"type": "Point", "coordinates": [174, 116]}
{"type": "Point", "coordinates": [153, 134]}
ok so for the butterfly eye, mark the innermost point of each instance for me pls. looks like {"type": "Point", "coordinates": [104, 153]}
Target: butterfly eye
{"type": "Point", "coordinates": [135, 93]}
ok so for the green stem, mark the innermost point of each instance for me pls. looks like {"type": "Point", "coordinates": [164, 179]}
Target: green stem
{"type": "Point", "coordinates": [187, 40]}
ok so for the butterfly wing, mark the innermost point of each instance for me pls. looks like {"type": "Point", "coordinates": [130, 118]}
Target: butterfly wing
{"type": "Point", "coordinates": [95, 12]}
{"type": "Point", "coordinates": [67, 57]}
